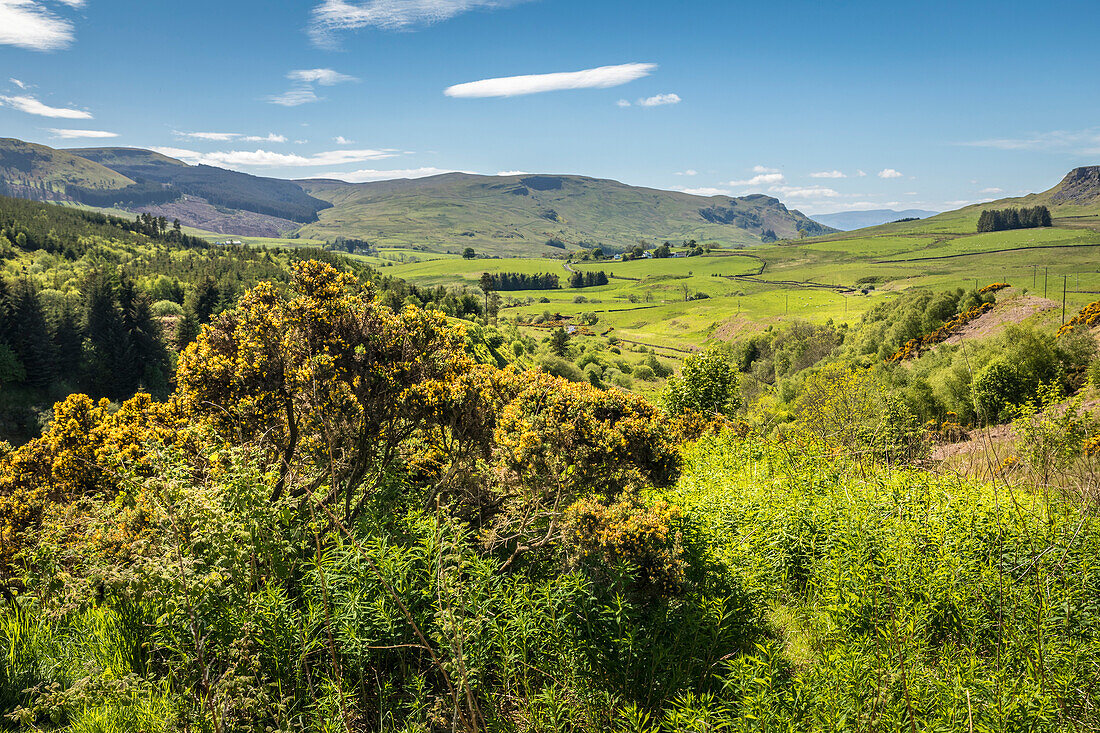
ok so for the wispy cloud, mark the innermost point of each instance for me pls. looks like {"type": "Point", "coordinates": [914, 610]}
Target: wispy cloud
{"type": "Point", "coordinates": [341, 140]}
{"type": "Point", "coordinates": [324, 77]}
{"type": "Point", "coordinates": [889, 173]}
{"type": "Point", "coordinates": [688, 172]}
{"type": "Point", "coordinates": [512, 86]}
{"type": "Point", "coordinates": [302, 90]}
{"type": "Point", "coordinates": [992, 189]}
{"type": "Point", "coordinates": [28, 24]}
{"type": "Point", "coordinates": [18, 83]}
{"type": "Point", "coordinates": [216, 136]}
{"type": "Point", "coordinates": [861, 174]}
{"type": "Point", "coordinates": [828, 174]}
{"type": "Point", "coordinates": [268, 159]}
{"type": "Point", "coordinates": [332, 16]}
{"type": "Point", "coordinates": [295, 97]}
{"type": "Point", "coordinates": [367, 175]}
{"type": "Point", "coordinates": [1078, 141]}
{"type": "Point", "coordinates": [512, 173]}
{"type": "Point", "coordinates": [622, 103]}
{"type": "Point", "coordinates": [32, 106]}
{"type": "Point", "coordinates": [76, 134]}
{"type": "Point", "coordinates": [659, 100]}
{"type": "Point", "coordinates": [271, 137]}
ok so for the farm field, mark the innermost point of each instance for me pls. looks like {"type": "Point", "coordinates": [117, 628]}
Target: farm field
{"type": "Point", "coordinates": [654, 301]}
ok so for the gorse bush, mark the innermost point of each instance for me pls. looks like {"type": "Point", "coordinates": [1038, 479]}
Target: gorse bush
{"type": "Point", "coordinates": [342, 520]}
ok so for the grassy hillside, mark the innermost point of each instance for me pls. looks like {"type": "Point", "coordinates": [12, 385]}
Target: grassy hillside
{"type": "Point", "coordinates": [40, 172]}
{"type": "Point", "coordinates": [837, 276]}
{"type": "Point", "coordinates": [518, 215]}
{"type": "Point", "coordinates": [223, 188]}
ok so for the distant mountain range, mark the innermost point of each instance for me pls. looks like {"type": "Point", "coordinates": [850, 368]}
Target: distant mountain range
{"type": "Point", "coordinates": [513, 215]}
{"type": "Point", "coordinates": [846, 221]}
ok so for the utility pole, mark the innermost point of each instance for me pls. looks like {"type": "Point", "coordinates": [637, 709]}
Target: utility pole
{"type": "Point", "coordinates": [1033, 271]}
{"type": "Point", "coordinates": [1046, 273]}
{"type": "Point", "coordinates": [786, 303]}
{"type": "Point", "coordinates": [1065, 278]}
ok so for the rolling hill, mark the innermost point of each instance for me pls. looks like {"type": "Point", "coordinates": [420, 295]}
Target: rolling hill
{"type": "Point", "coordinates": [848, 220]}
{"type": "Point", "coordinates": [39, 172]}
{"type": "Point", "coordinates": [537, 215]}
{"type": "Point", "coordinates": [219, 187]}
{"type": "Point", "coordinates": [526, 215]}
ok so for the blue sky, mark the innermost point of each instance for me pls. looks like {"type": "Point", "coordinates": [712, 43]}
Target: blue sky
{"type": "Point", "coordinates": [936, 104]}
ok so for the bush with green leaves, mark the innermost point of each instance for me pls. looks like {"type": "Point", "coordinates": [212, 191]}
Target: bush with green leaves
{"type": "Point", "coordinates": [707, 384]}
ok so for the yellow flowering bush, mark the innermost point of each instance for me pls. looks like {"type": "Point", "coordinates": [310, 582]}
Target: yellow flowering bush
{"type": "Point", "coordinates": [600, 536]}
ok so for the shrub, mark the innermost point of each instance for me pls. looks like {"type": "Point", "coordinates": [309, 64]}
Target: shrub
{"type": "Point", "coordinates": [164, 308]}
{"type": "Point", "coordinates": [559, 367]}
{"type": "Point", "coordinates": [600, 536]}
{"type": "Point", "coordinates": [707, 384]}
{"type": "Point", "coordinates": [996, 388]}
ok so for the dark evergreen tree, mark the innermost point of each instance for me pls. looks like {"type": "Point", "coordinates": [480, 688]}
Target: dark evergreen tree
{"type": "Point", "coordinates": [187, 329]}
{"type": "Point", "coordinates": [68, 339]}
{"type": "Point", "coordinates": [149, 360]}
{"type": "Point", "coordinates": [108, 364]}
{"type": "Point", "coordinates": [205, 300]}
{"type": "Point", "coordinates": [30, 335]}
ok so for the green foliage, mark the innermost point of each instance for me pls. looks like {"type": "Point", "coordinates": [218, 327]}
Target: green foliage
{"type": "Point", "coordinates": [996, 389]}
{"type": "Point", "coordinates": [999, 220]}
{"type": "Point", "coordinates": [707, 384]}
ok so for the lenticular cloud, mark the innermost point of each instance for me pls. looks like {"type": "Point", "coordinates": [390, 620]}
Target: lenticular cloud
{"type": "Point", "coordinates": [513, 86]}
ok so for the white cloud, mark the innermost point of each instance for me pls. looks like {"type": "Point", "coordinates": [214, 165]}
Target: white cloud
{"type": "Point", "coordinates": [295, 97]}
{"type": "Point", "coordinates": [74, 134]}
{"type": "Point", "coordinates": [271, 137]}
{"type": "Point", "coordinates": [512, 86]}
{"type": "Point", "coordinates": [304, 79]}
{"type": "Point", "coordinates": [324, 77]}
{"type": "Point", "coordinates": [364, 176]}
{"type": "Point", "coordinates": [659, 100]}
{"type": "Point", "coordinates": [828, 174]}
{"type": "Point", "coordinates": [992, 189]}
{"type": "Point", "coordinates": [764, 169]}
{"type": "Point", "coordinates": [861, 174]}
{"type": "Point", "coordinates": [706, 191]}
{"type": "Point", "coordinates": [805, 192]}
{"type": "Point", "coordinates": [27, 24]}
{"type": "Point", "coordinates": [622, 103]}
{"type": "Point", "coordinates": [32, 106]}
{"type": "Point", "coordinates": [268, 159]}
{"type": "Point", "coordinates": [512, 173]}
{"type": "Point", "coordinates": [688, 172]}
{"type": "Point", "coordinates": [341, 140]}
{"type": "Point", "coordinates": [889, 173]}
{"type": "Point", "coordinates": [216, 136]}
{"type": "Point", "coordinates": [761, 179]}
{"type": "Point", "coordinates": [17, 83]}
{"type": "Point", "coordinates": [331, 16]}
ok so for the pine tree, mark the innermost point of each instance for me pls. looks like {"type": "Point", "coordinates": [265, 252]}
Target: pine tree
{"type": "Point", "coordinates": [204, 300]}
{"type": "Point", "coordinates": [68, 338]}
{"type": "Point", "coordinates": [30, 335]}
{"type": "Point", "coordinates": [108, 363]}
{"type": "Point", "coordinates": [187, 329]}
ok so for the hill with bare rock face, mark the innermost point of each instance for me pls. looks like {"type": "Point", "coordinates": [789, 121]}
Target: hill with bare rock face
{"type": "Point", "coordinates": [527, 215]}
{"type": "Point", "coordinates": [538, 215]}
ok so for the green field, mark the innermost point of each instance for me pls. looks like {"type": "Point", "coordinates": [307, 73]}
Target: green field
{"type": "Point", "coordinates": [647, 300]}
